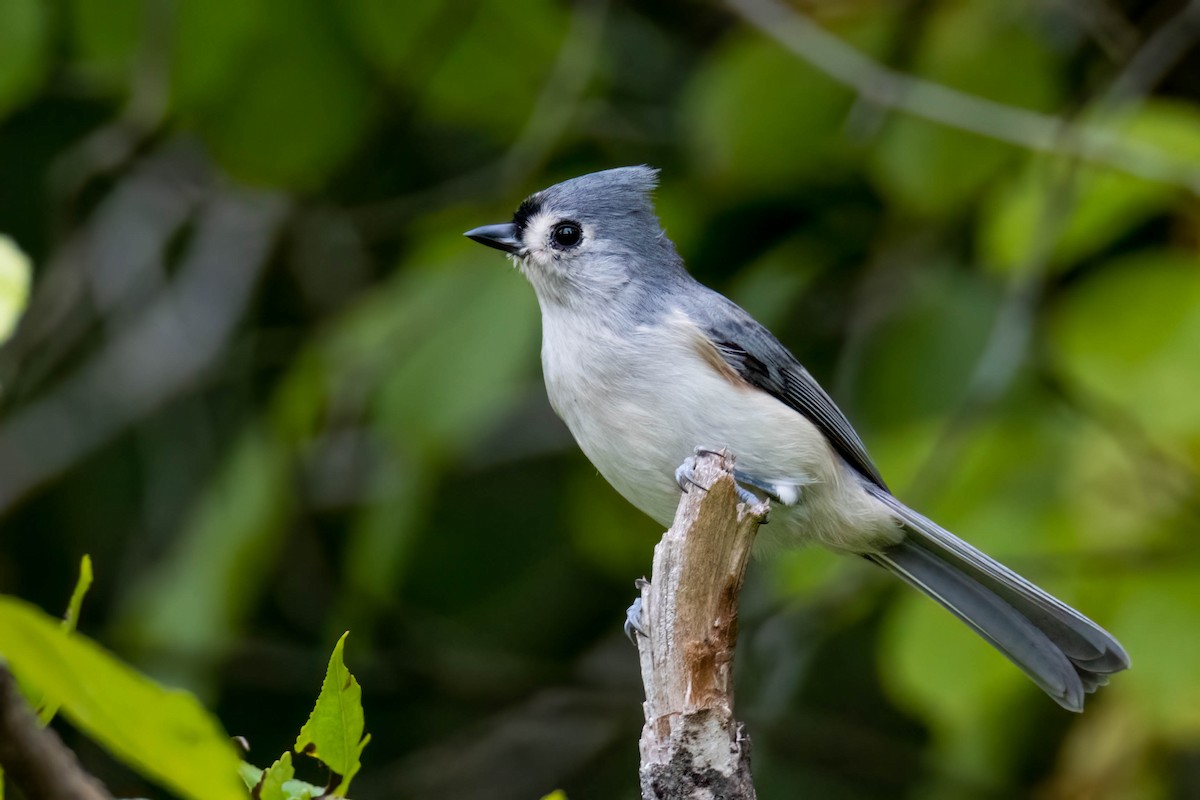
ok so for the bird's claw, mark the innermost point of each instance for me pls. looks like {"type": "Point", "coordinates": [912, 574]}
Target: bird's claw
{"type": "Point", "coordinates": [683, 476]}
{"type": "Point", "coordinates": [684, 473]}
{"type": "Point", "coordinates": [634, 625]}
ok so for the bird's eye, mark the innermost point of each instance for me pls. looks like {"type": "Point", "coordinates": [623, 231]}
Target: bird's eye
{"type": "Point", "coordinates": [566, 235]}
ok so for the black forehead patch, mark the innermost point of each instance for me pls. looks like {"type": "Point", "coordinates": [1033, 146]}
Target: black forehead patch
{"type": "Point", "coordinates": [528, 210]}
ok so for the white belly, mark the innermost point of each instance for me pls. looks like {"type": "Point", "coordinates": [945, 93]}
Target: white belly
{"type": "Point", "coordinates": [639, 406]}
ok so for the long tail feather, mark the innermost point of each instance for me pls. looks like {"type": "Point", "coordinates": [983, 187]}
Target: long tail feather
{"type": "Point", "coordinates": [1064, 652]}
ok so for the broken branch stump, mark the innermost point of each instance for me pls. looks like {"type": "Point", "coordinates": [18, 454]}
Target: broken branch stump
{"type": "Point", "coordinates": [692, 747]}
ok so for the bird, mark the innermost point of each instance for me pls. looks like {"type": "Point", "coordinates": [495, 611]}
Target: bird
{"type": "Point", "coordinates": [647, 366]}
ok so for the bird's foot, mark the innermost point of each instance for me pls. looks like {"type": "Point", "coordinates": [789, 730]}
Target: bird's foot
{"type": "Point", "coordinates": [634, 625]}
{"type": "Point", "coordinates": [685, 476]}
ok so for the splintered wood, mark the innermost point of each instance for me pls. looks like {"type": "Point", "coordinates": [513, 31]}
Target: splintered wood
{"type": "Point", "coordinates": [692, 747]}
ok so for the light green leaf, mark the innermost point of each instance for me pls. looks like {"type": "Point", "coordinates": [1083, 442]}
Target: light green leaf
{"type": "Point", "coordinates": [757, 115]}
{"type": "Point", "coordinates": [1005, 494]}
{"type": "Point", "coordinates": [1105, 205]}
{"type": "Point", "coordinates": [24, 49]}
{"type": "Point", "coordinates": [270, 787]}
{"type": "Point", "coordinates": [1155, 615]}
{"type": "Point", "coordinates": [250, 774]}
{"type": "Point", "coordinates": [1130, 333]}
{"type": "Point", "coordinates": [955, 681]}
{"type": "Point", "coordinates": [277, 782]}
{"type": "Point", "coordinates": [15, 272]}
{"type": "Point", "coordinates": [465, 388]}
{"type": "Point", "coordinates": [982, 48]}
{"type": "Point", "coordinates": [334, 731]}
{"type": "Point", "coordinates": [165, 735]}
{"type": "Point", "coordinates": [71, 621]}
{"type": "Point", "coordinates": [299, 790]}
{"type": "Point", "coordinates": [558, 794]}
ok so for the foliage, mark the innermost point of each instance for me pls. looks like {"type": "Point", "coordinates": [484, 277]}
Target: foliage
{"type": "Point", "coordinates": [334, 731]}
{"type": "Point", "coordinates": [70, 621]}
{"type": "Point", "coordinates": [1011, 318]}
{"type": "Point", "coordinates": [167, 735]}
{"type": "Point", "coordinates": [333, 735]}
{"type": "Point", "coordinates": [14, 285]}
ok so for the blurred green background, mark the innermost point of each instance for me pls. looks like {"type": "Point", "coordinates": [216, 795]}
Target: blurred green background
{"type": "Point", "coordinates": [267, 384]}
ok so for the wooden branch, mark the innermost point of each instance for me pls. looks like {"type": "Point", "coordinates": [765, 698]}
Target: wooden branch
{"type": "Point", "coordinates": [34, 758]}
{"type": "Point", "coordinates": [691, 746]}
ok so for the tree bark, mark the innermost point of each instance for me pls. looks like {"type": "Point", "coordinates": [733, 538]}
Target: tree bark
{"type": "Point", "coordinates": [692, 747]}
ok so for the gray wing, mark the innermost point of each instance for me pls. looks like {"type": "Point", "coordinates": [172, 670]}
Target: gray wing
{"type": "Point", "coordinates": [762, 361]}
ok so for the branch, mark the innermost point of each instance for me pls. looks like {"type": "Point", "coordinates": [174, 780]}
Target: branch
{"type": "Point", "coordinates": [942, 104]}
{"type": "Point", "coordinates": [692, 747]}
{"type": "Point", "coordinates": [34, 758]}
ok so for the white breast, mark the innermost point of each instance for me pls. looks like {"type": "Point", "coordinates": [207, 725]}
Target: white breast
{"type": "Point", "coordinates": [638, 405]}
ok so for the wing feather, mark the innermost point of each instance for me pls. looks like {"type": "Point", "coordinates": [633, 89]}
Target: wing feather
{"type": "Point", "coordinates": [760, 359]}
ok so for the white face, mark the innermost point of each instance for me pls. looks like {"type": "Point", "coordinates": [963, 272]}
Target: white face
{"type": "Point", "coordinates": [564, 260]}
{"type": "Point", "coordinates": [552, 241]}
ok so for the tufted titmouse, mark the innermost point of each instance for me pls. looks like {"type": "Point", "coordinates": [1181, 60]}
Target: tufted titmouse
{"type": "Point", "coordinates": [645, 365]}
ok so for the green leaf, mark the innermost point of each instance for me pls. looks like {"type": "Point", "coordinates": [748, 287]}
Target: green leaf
{"type": "Point", "coordinates": [71, 621]}
{"type": "Point", "coordinates": [270, 786]}
{"type": "Point", "coordinates": [334, 731]}
{"type": "Point", "coordinates": [558, 794]}
{"type": "Point", "coordinates": [165, 735]}
{"type": "Point", "coordinates": [250, 774]}
{"type": "Point", "coordinates": [105, 38]}
{"type": "Point", "coordinates": [277, 782]}
{"type": "Point", "coordinates": [24, 50]}
{"type": "Point", "coordinates": [299, 790]}
{"type": "Point", "coordinates": [15, 272]}
{"type": "Point", "coordinates": [1156, 615]}
{"type": "Point", "coordinates": [471, 81]}
{"type": "Point", "coordinates": [1007, 494]}
{"type": "Point", "coordinates": [271, 86]}
{"type": "Point", "coordinates": [758, 115]}
{"type": "Point", "coordinates": [1130, 334]}
{"type": "Point", "coordinates": [394, 36]}
{"type": "Point", "coordinates": [443, 313]}
{"type": "Point", "coordinates": [957, 683]}
{"type": "Point", "coordinates": [981, 48]}
{"type": "Point", "coordinates": [1105, 205]}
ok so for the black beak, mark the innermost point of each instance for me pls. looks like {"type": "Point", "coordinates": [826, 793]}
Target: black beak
{"type": "Point", "coordinates": [502, 236]}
